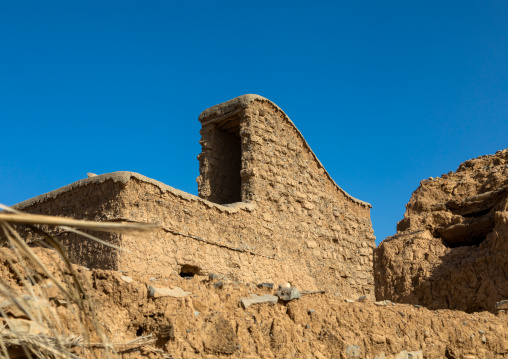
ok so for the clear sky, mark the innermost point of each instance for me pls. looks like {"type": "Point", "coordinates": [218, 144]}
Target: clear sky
{"type": "Point", "coordinates": [386, 93]}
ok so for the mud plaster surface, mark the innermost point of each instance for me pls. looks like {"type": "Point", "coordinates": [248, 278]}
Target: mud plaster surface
{"type": "Point", "coordinates": [210, 322]}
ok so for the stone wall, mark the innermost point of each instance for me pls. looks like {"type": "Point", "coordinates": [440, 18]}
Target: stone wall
{"type": "Point", "coordinates": [267, 210]}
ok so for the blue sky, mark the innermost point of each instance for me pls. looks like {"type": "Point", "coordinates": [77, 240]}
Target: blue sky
{"type": "Point", "coordinates": [386, 93]}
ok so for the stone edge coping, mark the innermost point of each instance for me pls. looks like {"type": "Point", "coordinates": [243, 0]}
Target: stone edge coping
{"type": "Point", "coordinates": [225, 108]}
{"type": "Point", "coordinates": [124, 177]}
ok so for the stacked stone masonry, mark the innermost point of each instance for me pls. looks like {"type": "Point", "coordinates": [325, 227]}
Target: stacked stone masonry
{"type": "Point", "coordinates": [267, 211]}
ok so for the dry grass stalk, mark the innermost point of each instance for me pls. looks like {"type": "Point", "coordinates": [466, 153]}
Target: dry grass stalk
{"type": "Point", "coordinates": [40, 334]}
{"type": "Point", "coordinates": [27, 218]}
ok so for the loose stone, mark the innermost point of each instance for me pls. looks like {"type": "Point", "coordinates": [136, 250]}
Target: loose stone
{"type": "Point", "coordinates": [265, 285]}
{"type": "Point", "coordinates": [126, 279]}
{"type": "Point", "coordinates": [353, 351]}
{"type": "Point", "coordinates": [288, 294]}
{"type": "Point", "coordinates": [219, 285]}
{"type": "Point", "coordinates": [176, 292]}
{"type": "Point", "coordinates": [255, 299]}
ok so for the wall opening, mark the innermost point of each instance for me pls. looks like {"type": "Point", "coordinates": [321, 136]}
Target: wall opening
{"type": "Point", "coordinates": [225, 161]}
{"type": "Point", "coordinates": [472, 231]}
{"type": "Point", "coordinates": [478, 218]}
{"type": "Point", "coordinates": [188, 271]}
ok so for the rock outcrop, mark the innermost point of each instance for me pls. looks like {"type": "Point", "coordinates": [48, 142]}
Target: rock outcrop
{"type": "Point", "coordinates": [451, 248]}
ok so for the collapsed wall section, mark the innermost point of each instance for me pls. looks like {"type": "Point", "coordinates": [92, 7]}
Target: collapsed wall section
{"type": "Point", "coordinates": [450, 249]}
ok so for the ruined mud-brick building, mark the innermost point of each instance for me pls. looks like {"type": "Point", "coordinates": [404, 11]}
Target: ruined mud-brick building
{"type": "Point", "coordinates": [267, 211]}
{"type": "Point", "coordinates": [451, 249]}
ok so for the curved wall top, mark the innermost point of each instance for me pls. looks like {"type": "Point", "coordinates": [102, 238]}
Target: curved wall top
{"type": "Point", "coordinates": [229, 108]}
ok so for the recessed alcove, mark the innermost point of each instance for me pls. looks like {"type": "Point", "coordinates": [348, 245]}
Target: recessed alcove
{"type": "Point", "coordinates": [189, 271]}
{"type": "Point", "coordinates": [223, 160]}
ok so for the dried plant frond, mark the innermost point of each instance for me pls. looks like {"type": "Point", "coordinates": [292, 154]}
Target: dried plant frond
{"type": "Point", "coordinates": [36, 331]}
{"type": "Point", "coordinates": [25, 218]}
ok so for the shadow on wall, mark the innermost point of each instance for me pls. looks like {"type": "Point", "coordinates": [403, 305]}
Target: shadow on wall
{"type": "Point", "coordinates": [417, 268]}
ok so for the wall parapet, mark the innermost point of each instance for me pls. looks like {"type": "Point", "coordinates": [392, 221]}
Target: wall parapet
{"type": "Point", "coordinates": [125, 176]}
{"type": "Point", "coordinates": [230, 108]}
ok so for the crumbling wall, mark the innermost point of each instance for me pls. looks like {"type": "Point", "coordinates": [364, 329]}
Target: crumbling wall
{"type": "Point", "coordinates": [450, 250]}
{"type": "Point", "coordinates": [202, 318]}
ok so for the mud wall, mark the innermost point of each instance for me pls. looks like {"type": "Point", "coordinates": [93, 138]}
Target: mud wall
{"type": "Point", "coordinates": [95, 199]}
{"type": "Point", "coordinates": [450, 250]}
{"type": "Point", "coordinates": [277, 216]}
{"type": "Point", "coordinates": [299, 207]}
